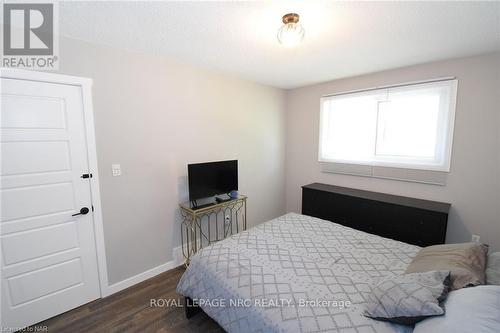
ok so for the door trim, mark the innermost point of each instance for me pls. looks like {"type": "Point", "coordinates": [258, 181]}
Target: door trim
{"type": "Point", "coordinates": [88, 113]}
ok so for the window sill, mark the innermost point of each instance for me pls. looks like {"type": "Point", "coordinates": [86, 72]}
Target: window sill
{"type": "Point", "coordinates": [401, 174]}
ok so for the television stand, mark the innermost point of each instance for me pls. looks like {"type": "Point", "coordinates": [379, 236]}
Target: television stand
{"type": "Point", "coordinates": [202, 225]}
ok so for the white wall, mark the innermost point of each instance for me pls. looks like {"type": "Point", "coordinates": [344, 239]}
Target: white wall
{"type": "Point", "coordinates": [473, 186]}
{"type": "Point", "coordinates": [154, 116]}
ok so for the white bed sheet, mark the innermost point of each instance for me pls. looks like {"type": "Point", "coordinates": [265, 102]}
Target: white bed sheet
{"type": "Point", "coordinates": [294, 274]}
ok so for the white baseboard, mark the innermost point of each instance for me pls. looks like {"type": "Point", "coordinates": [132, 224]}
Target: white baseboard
{"type": "Point", "coordinates": [178, 260]}
{"type": "Point", "coordinates": [124, 284]}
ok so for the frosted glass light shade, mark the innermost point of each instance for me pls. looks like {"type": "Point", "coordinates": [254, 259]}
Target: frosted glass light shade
{"type": "Point", "coordinates": [291, 34]}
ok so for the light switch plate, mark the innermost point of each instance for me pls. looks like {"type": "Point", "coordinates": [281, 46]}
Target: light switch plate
{"type": "Point", "coordinates": [116, 170]}
{"type": "Point", "coordinates": [476, 238]}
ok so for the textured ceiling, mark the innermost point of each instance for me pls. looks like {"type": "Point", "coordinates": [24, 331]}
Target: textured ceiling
{"type": "Point", "coordinates": [342, 38]}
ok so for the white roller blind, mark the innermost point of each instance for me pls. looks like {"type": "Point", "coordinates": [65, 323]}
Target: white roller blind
{"type": "Point", "coordinates": [410, 126]}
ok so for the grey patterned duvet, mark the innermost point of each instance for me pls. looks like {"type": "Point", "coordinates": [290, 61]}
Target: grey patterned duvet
{"type": "Point", "coordinates": [294, 274]}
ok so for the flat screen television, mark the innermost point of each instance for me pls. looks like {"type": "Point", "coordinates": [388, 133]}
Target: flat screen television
{"type": "Point", "coordinates": [213, 178]}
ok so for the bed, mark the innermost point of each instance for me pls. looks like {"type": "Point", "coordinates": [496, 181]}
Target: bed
{"type": "Point", "coordinates": [309, 262]}
{"type": "Point", "coordinates": [307, 273]}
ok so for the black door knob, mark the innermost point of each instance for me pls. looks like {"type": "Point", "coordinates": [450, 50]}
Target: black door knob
{"type": "Point", "coordinates": [83, 211]}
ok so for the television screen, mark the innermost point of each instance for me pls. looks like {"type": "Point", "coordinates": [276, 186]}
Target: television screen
{"type": "Point", "coordinates": [213, 178]}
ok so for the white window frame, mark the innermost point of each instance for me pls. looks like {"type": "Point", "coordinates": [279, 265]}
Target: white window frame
{"type": "Point", "coordinates": [379, 161]}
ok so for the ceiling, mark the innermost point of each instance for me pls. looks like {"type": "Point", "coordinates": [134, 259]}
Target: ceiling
{"type": "Point", "coordinates": [239, 38]}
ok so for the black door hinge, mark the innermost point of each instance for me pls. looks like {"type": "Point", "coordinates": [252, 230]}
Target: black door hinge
{"type": "Point", "coordinates": [86, 175]}
{"type": "Point", "coordinates": [92, 207]}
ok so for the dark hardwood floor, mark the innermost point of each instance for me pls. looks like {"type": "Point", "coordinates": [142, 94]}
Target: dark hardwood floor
{"type": "Point", "coordinates": [130, 311]}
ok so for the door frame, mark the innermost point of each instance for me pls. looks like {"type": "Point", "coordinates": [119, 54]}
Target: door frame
{"type": "Point", "coordinates": [88, 114]}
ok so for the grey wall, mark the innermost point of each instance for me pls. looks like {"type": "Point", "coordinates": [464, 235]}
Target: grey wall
{"type": "Point", "coordinates": [154, 116]}
{"type": "Point", "coordinates": [473, 186]}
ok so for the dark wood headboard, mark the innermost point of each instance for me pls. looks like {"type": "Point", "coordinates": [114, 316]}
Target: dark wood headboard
{"type": "Point", "coordinates": [413, 221]}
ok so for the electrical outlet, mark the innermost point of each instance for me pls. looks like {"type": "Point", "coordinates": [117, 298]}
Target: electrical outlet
{"type": "Point", "coordinates": [227, 219]}
{"type": "Point", "coordinates": [475, 238]}
{"type": "Point", "coordinates": [116, 170]}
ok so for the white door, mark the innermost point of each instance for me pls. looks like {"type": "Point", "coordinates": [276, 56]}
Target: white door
{"type": "Point", "coordinates": [48, 257]}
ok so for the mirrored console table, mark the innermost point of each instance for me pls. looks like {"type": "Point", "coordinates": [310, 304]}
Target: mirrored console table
{"type": "Point", "coordinates": [203, 226]}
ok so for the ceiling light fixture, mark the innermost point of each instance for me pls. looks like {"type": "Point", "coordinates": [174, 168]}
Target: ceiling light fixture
{"type": "Point", "coordinates": [291, 33]}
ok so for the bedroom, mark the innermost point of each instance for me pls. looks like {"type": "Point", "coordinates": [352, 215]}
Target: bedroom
{"type": "Point", "coordinates": [158, 86]}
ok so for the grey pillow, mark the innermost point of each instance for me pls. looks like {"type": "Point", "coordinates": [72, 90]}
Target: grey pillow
{"type": "Point", "coordinates": [493, 269]}
{"type": "Point", "coordinates": [409, 298]}
{"type": "Point", "coordinates": [465, 261]}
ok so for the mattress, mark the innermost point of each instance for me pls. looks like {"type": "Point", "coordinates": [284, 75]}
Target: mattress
{"type": "Point", "coordinates": [294, 274]}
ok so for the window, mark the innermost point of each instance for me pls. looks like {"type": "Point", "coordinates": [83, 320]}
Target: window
{"type": "Point", "coordinates": [409, 126]}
